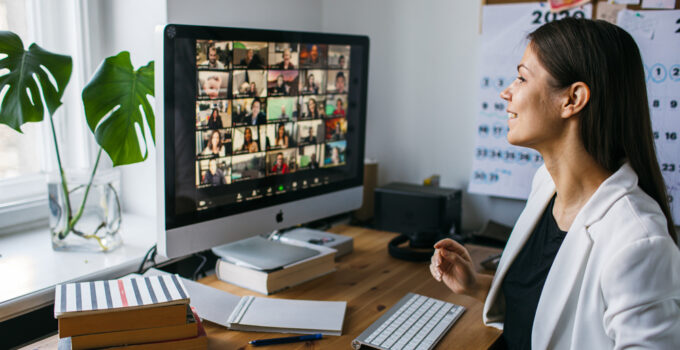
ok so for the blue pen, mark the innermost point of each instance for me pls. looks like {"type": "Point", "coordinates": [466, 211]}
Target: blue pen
{"type": "Point", "coordinates": [285, 340]}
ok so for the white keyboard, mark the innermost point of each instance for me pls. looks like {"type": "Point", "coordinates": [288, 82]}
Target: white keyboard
{"type": "Point", "coordinates": [415, 322]}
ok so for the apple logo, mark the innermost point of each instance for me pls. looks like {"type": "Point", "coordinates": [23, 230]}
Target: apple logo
{"type": "Point", "coordinates": [279, 216]}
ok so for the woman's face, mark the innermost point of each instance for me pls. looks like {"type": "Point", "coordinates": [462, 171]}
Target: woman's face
{"type": "Point", "coordinates": [214, 114]}
{"type": "Point", "coordinates": [339, 104]}
{"type": "Point", "coordinates": [248, 135]}
{"type": "Point", "coordinates": [311, 105]}
{"type": "Point", "coordinates": [215, 139]}
{"type": "Point", "coordinates": [279, 80]}
{"type": "Point", "coordinates": [279, 160]}
{"type": "Point", "coordinates": [533, 104]}
{"type": "Point", "coordinates": [282, 131]}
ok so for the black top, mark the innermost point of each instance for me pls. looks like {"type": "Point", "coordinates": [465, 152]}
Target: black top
{"type": "Point", "coordinates": [526, 276]}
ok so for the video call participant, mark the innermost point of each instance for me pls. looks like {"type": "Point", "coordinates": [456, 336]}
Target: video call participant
{"type": "Point", "coordinates": [313, 163]}
{"type": "Point", "coordinates": [281, 137]}
{"type": "Point", "coordinates": [252, 60]}
{"type": "Point", "coordinates": [341, 61]}
{"type": "Point", "coordinates": [280, 167]}
{"type": "Point", "coordinates": [249, 145]}
{"type": "Point", "coordinates": [314, 58]}
{"type": "Point", "coordinates": [340, 83]}
{"type": "Point", "coordinates": [337, 133]}
{"type": "Point", "coordinates": [335, 156]}
{"type": "Point", "coordinates": [214, 120]}
{"type": "Point", "coordinates": [212, 61]}
{"type": "Point", "coordinates": [214, 176]}
{"type": "Point", "coordinates": [312, 109]}
{"type": "Point", "coordinates": [310, 85]}
{"type": "Point", "coordinates": [286, 63]}
{"type": "Point", "coordinates": [214, 147]}
{"type": "Point", "coordinates": [339, 108]}
{"type": "Point", "coordinates": [593, 261]}
{"type": "Point", "coordinates": [281, 87]}
{"type": "Point", "coordinates": [252, 92]}
{"type": "Point", "coordinates": [256, 116]}
{"type": "Point", "coordinates": [311, 138]}
{"type": "Point", "coordinates": [211, 86]}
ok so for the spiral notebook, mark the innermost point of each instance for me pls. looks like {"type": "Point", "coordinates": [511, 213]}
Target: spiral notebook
{"type": "Point", "coordinates": [288, 316]}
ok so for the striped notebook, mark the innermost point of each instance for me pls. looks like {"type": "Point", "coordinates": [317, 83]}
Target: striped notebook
{"type": "Point", "coordinates": [76, 299]}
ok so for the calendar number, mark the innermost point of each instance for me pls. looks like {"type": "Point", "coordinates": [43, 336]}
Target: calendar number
{"type": "Point", "coordinates": [547, 16]}
{"type": "Point", "coordinates": [668, 167]}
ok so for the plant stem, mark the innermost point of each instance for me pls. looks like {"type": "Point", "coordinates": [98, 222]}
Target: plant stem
{"type": "Point", "coordinates": [72, 222]}
{"type": "Point", "coordinates": [64, 186]}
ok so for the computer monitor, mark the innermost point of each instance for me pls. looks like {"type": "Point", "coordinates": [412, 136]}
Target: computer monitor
{"type": "Point", "coordinates": [256, 130]}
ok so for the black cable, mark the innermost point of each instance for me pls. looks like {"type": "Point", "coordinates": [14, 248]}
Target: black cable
{"type": "Point", "coordinates": [150, 255]}
{"type": "Point", "coordinates": [200, 266]}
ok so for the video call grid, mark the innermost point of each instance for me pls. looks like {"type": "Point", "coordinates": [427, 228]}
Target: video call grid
{"type": "Point", "coordinates": [246, 130]}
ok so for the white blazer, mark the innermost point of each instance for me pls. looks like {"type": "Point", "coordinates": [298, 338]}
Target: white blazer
{"type": "Point", "coordinates": [615, 282]}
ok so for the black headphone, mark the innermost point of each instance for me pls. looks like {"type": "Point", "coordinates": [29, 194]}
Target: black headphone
{"type": "Point", "coordinates": [407, 253]}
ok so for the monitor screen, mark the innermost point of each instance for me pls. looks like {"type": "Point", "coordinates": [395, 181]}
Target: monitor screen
{"type": "Point", "coordinates": [256, 118]}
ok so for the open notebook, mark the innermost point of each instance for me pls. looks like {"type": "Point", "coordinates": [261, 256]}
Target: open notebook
{"type": "Point", "coordinates": [288, 316]}
{"type": "Point", "coordinates": [263, 314]}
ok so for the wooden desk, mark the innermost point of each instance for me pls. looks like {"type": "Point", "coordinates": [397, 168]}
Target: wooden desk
{"type": "Point", "coordinates": [370, 281]}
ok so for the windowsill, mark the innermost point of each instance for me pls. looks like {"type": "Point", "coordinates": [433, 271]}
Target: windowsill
{"type": "Point", "coordinates": [29, 268]}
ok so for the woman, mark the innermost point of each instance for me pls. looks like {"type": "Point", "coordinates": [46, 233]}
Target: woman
{"type": "Point", "coordinates": [311, 86]}
{"type": "Point", "coordinates": [214, 120]}
{"type": "Point", "coordinates": [249, 145]}
{"type": "Point", "coordinates": [281, 87]}
{"type": "Point", "coordinates": [592, 261]}
{"type": "Point", "coordinates": [215, 147]}
{"type": "Point", "coordinates": [312, 111]}
{"type": "Point", "coordinates": [281, 137]}
{"type": "Point", "coordinates": [339, 108]}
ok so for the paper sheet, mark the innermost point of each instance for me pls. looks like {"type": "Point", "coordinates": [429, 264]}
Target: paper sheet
{"type": "Point", "coordinates": [498, 168]}
{"type": "Point", "coordinates": [657, 33]}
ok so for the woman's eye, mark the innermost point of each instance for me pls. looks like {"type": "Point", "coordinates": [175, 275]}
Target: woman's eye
{"type": "Point", "coordinates": [521, 79]}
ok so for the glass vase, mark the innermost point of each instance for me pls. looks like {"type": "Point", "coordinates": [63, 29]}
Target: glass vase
{"type": "Point", "coordinates": [92, 226]}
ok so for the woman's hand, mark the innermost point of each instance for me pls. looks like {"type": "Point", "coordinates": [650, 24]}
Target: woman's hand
{"type": "Point", "coordinates": [451, 263]}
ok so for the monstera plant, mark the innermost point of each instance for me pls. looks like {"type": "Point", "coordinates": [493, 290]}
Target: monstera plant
{"type": "Point", "coordinates": [36, 78]}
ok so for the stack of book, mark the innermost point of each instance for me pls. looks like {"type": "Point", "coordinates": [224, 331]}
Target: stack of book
{"type": "Point", "coordinates": [230, 270]}
{"type": "Point", "coordinates": [133, 313]}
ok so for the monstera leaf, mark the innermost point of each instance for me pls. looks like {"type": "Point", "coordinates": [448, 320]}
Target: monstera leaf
{"type": "Point", "coordinates": [26, 76]}
{"type": "Point", "coordinates": [112, 101]}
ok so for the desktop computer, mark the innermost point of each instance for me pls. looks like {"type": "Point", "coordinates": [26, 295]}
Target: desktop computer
{"type": "Point", "coordinates": [257, 130]}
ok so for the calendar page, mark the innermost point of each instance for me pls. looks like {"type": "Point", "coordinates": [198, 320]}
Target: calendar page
{"type": "Point", "coordinates": [657, 33]}
{"type": "Point", "coordinates": [498, 168]}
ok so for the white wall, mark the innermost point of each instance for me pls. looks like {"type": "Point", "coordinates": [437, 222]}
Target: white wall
{"type": "Point", "coordinates": [303, 15]}
{"type": "Point", "coordinates": [422, 79]}
{"type": "Point", "coordinates": [128, 25]}
{"type": "Point", "coordinates": [422, 92]}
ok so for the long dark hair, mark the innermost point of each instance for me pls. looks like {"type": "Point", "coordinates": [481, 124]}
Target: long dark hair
{"type": "Point", "coordinates": [615, 124]}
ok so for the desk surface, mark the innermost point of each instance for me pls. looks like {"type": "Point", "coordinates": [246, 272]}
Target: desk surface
{"type": "Point", "coordinates": [370, 281]}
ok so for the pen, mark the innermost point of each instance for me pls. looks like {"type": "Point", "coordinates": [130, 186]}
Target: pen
{"type": "Point", "coordinates": [285, 340]}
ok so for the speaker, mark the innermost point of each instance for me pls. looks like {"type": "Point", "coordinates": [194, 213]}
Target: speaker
{"type": "Point", "coordinates": [423, 214]}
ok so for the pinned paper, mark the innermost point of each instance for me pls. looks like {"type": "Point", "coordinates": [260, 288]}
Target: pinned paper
{"type": "Point", "coordinates": [609, 11]}
{"type": "Point", "coordinates": [561, 5]}
{"type": "Point", "coordinates": [636, 24]}
{"type": "Point", "coordinates": [626, 2]}
{"type": "Point", "coordinates": [658, 4]}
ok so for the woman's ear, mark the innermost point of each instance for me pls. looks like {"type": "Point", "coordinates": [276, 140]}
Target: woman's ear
{"type": "Point", "coordinates": [577, 97]}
